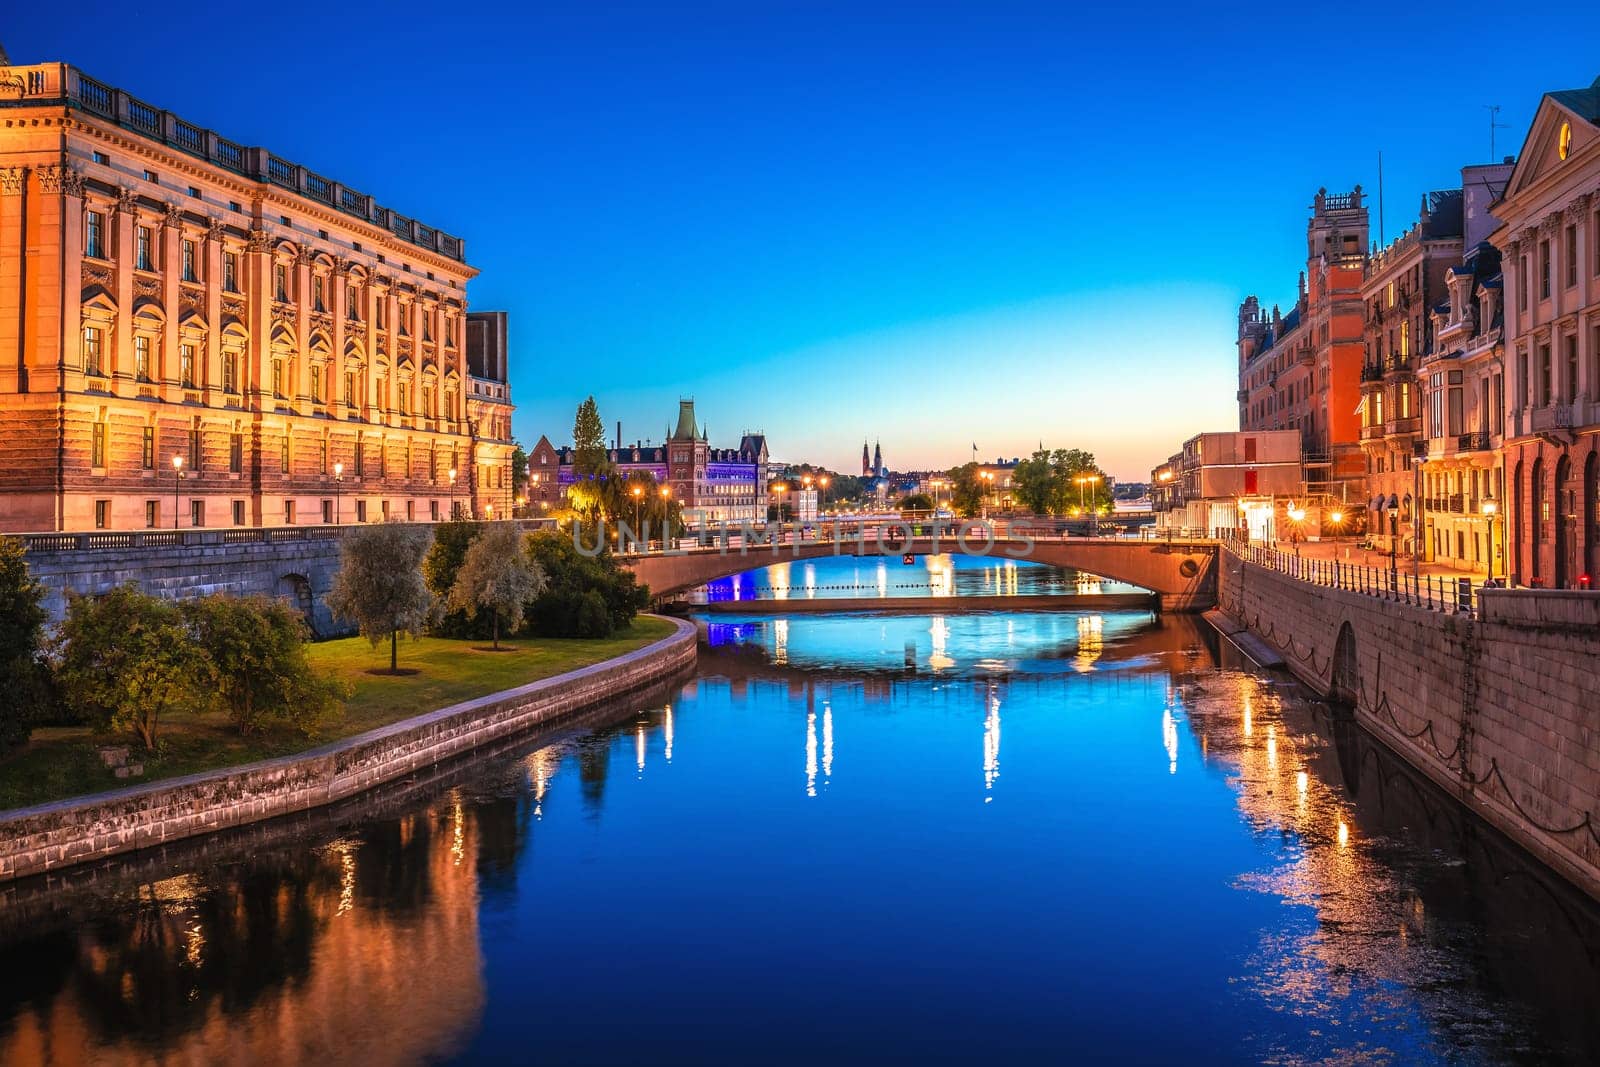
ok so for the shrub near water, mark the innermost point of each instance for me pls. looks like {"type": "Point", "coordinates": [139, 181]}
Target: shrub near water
{"type": "Point", "coordinates": [255, 665]}
{"type": "Point", "coordinates": [24, 676]}
{"type": "Point", "coordinates": [586, 596]}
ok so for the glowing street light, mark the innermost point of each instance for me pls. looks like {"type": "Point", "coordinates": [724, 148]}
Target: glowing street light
{"type": "Point", "coordinates": [177, 476]}
{"type": "Point", "coordinates": [1489, 509]}
{"type": "Point", "coordinates": [452, 493]}
{"type": "Point", "coordinates": [338, 489]}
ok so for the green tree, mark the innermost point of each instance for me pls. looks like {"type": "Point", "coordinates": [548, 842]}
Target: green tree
{"type": "Point", "coordinates": [439, 568]}
{"type": "Point", "coordinates": [25, 693]}
{"type": "Point", "coordinates": [499, 576]}
{"type": "Point", "coordinates": [916, 502]}
{"type": "Point", "coordinates": [127, 659]}
{"type": "Point", "coordinates": [255, 665]}
{"type": "Point", "coordinates": [519, 471]}
{"type": "Point", "coordinates": [380, 586]}
{"type": "Point", "coordinates": [966, 492]}
{"type": "Point", "coordinates": [592, 491]}
{"type": "Point", "coordinates": [1036, 486]}
{"type": "Point", "coordinates": [571, 576]}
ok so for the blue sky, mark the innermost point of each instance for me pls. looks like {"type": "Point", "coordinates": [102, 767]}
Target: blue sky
{"type": "Point", "coordinates": [937, 225]}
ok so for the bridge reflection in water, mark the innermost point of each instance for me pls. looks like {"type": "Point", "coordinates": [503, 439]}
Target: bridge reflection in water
{"type": "Point", "coordinates": [864, 826]}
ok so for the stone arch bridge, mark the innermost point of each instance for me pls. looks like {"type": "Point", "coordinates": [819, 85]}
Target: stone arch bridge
{"type": "Point", "coordinates": [1183, 573]}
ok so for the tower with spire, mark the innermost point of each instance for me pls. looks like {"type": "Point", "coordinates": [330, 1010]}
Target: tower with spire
{"type": "Point", "coordinates": [866, 460]}
{"type": "Point", "coordinates": [877, 460]}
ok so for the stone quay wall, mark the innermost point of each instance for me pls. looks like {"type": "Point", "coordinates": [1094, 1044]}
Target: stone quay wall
{"type": "Point", "coordinates": [48, 837]}
{"type": "Point", "coordinates": [1502, 709]}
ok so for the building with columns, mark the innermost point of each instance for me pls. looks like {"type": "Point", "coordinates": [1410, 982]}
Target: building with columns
{"type": "Point", "coordinates": [198, 333]}
{"type": "Point", "coordinates": [1301, 370]}
{"type": "Point", "coordinates": [1549, 240]}
{"type": "Point", "coordinates": [489, 413]}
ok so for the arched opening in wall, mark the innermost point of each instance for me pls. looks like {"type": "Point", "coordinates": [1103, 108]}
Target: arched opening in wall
{"type": "Point", "coordinates": [1536, 521]}
{"type": "Point", "coordinates": [1563, 511]}
{"type": "Point", "coordinates": [1590, 522]}
{"type": "Point", "coordinates": [1516, 525]}
{"type": "Point", "coordinates": [296, 589]}
{"type": "Point", "coordinates": [1345, 684]}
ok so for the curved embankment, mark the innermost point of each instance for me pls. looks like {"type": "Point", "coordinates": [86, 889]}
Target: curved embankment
{"type": "Point", "coordinates": [47, 837]}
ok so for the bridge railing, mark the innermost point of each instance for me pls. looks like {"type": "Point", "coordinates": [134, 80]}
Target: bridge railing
{"type": "Point", "coordinates": [1433, 592]}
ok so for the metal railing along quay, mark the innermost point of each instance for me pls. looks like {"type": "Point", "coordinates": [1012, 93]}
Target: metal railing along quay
{"type": "Point", "coordinates": [1435, 592]}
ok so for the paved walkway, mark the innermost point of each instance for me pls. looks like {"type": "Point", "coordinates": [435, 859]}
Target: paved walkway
{"type": "Point", "coordinates": [1347, 552]}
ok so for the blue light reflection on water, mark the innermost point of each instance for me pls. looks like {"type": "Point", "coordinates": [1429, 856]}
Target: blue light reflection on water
{"type": "Point", "coordinates": [875, 577]}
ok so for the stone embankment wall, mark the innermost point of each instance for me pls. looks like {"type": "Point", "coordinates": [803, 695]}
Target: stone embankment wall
{"type": "Point", "coordinates": [1502, 710]}
{"type": "Point", "coordinates": [50, 836]}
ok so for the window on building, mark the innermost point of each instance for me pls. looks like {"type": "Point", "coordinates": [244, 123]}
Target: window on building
{"type": "Point", "coordinates": [97, 444]}
{"type": "Point", "coordinates": [411, 511]}
{"type": "Point", "coordinates": [277, 378]}
{"type": "Point", "coordinates": [288, 512]}
{"type": "Point", "coordinates": [352, 303]}
{"type": "Point", "coordinates": [280, 281]}
{"type": "Point", "coordinates": [186, 365]}
{"type": "Point", "coordinates": [322, 456]}
{"type": "Point", "coordinates": [230, 271]}
{"type": "Point", "coordinates": [234, 205]}
{"type": "Point", "coordinates": [194, 191]}
{"type": "Point", "coordinates": [189, 267]}
{"type": "Point", "coordinates": [381, 312]}
{"type": "Point", "coordinates": [152, 514]}
{"type": "Point", "coordinates": [141, 358]}
{"type": "Point", "coordinates": [316, 383]}
{"type": "Point", "coordinates": [238, 512]}
{"type": "Point", "coordinates": [92, 352]}
{"type": "Point", "coordinates": [1544, 270]}
{"type": "Point", "coordinates": [283, 455]}
{"type": "Point", "coordinates": [197, 513]}
{"type": "Point", "coordinates": [433, 510]}
{"type": "Point", "coordinates": [318, 292]}
{"type": "Point", "coordinates": [327, 512]}
{"type": "Point", "coordinates": [361, 456]}
{"type": "Point", "coordinates": [1570, 382]}
{"type": "Point", "coordinates": [427, 402]}
{"type": "Point", "coordinates": [1405, 338]}
{"type": "Point", "coordinates": [150, 176]}
{"type": "Point", "coordinates": [196, 453]}
{"type": "Point", "coordinates": [142, 255]}
{"type": "Point", "coordinates": [101, 158]}
{"type": "Point", "coordinates": [1572, 256]}
{"type": "Point", "coordinates": [1546, 386]}
{"type": "Point", "coordinates": [350, 387]}
{"type": "Point", "coordinates": [230, 372]}
{"type": "Point", "coordinates": [402, 318]}
{"type": "Point", "coordinates": [94, 239]}
{"type": "Point", "coordinates": [236, 453]}
{"type": "Point", "coordinates": [147, 448]}
{"type": "Point", "coordinates": [361, 511]}
{"type": "Point", "coordinates": [383, 507]}
{"type": "Point", "coordinates": [427, 326]}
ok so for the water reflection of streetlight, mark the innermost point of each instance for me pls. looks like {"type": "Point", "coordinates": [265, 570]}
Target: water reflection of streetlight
{"type": "Point", "coordinates": [991, 742]}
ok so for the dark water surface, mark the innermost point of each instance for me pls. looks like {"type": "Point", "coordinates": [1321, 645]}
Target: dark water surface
{"type": "Point", "coordinates": [1052, 838]}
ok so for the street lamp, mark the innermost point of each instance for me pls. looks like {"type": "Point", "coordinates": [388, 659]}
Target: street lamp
{"type": "Point", "coordinates": [987, 476]}
{"type": "Point", "coordinates": [338, 490]}
{"type": "Point", "coordinates": [1089, 479]}
{"type": "Point", "coordinates": [779, 488]}
{"type": "Point", "coordinates": [452, 494]}
{"type": "Point", "coordinates": [177, 476]}
{"type": "Point", "coordinates": [823, 481]}
{"type": "Point", "coordinates": [1489, 508]}
{"type": "Point", "coordinates": [1394, 540]}
{"type": "Point", "coordinates": [638, 491]}
{"type": "Point", "coordinates": [1297, 516]}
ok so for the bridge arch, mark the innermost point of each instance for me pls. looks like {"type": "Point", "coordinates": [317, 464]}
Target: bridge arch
{"type": "Point", "coordinates": [1344, 684]}
{"type": "Point", "coordinates": [1182, 573]}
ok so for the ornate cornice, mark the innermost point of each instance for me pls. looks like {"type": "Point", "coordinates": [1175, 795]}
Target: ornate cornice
{"type": "Point", "coordinates": [172, 215]}
{"type": "Point", "coordinates": [215, 230]}
{"type": "Point", "coordinates": [12, 179]}
{"type": "Point", "coordinates": [260, 240]}
{"type": "Point", "coordinates": [127, 200]}
{"type": "Point", "coordinates": [93, 275]}
{"type": "Point", "coordinates": [58, 178]}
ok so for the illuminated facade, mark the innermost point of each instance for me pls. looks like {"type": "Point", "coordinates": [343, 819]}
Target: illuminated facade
{"type": "Point", "coordinates": [1204, 488]}
{"type": "Point", "coordinates": [1405, 283]}
{"type": "Point", "coordinates": [489, 413]}
{"type": "Point", "coordinates": [1301, 371]}
{"type": "Point", "coordinates": [204, 333]}
{"type": "Point", "coordinates": [1549, 243]}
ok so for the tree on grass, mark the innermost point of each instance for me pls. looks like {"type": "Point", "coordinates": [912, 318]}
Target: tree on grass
{"type": "Point", "coordinates": [380, 586]}
{"type": "Point", "coordinates": [498, 576]}
{"type": "Point", "coordinates": [25, 691]}
{"type": "Point", "coordinates": [127, 660]}
{"type": "Point", "coordinates": [966, 493]}
{"type": "Point", "coordinates": [449, 550]}
{"type": "Point", "coordinates": [916, 502]}
{"type": "Point", "coordinates": [255, 665]}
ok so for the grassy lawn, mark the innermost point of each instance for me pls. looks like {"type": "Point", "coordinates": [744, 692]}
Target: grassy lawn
{"type": "Point", "coordinates": [64, 761]}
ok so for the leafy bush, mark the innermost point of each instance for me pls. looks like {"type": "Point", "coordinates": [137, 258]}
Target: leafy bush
{"type": "Point", "coordinates": [255, 665]}
{"type": "Point", "coordinates": [451, 540]}
{"type": "Point", "coordinates": [128, 659]}
{"type": "Point", "coordinates": [26, 691]}
{"type": "Point", "coordinates": [572, 578]}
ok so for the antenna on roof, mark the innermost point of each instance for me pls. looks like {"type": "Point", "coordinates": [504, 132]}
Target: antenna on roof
{"type": "Point", "coordinates": [1494, 114]}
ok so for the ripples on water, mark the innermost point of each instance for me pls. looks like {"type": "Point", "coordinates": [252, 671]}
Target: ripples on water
{"type": "Point", "coordinates": [867, 839]}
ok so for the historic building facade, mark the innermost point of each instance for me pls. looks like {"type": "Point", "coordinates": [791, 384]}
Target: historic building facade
{"type": "Point", "coordinates": [489, 413]}
{"type": "Point", "coordinates": [1550, 255]}
{"type": "Point", "coordinates": [713, 485]}
{"type": "Point", "coordinates": [1301, 370]}
{"type": "Point", "coordinates": [1405, 280]}
{"type": "Point", "coordinates": [1461, 376]}
{"type": "Point", "coordinates": [204, 333]}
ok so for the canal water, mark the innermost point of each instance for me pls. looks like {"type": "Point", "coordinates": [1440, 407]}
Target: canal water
{"type": "Point", "coordinates": [1001, 838]}
{"type": "Point", "coordinates": [877, 577]}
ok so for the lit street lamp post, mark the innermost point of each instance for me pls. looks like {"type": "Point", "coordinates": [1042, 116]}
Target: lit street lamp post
{"type": "Point", "coordinates": [452, 494]}
{"type": "Point", "coordinates": [823, 481]}
{"type": "Point", "coordinates": [338, 491]}
{"type": "Point", "coordinates": [1489, 508]}
{"type": "Point", "coordinates": [1297, 515]}
{"type": "Point", "coordinates": [1094, 513]}
{"type": "Point", "coordinates": [987, 476]}
{"type": "Point", "coordinates": [177, 476]}
{"type": "Point", "coordinates": [666, 495]}
{"type": "Point", "coordinates": [638, 493]}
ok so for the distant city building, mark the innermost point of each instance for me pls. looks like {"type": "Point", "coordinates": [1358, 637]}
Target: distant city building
{"type": "Point", "coordinates": [1301, 371]}
{"type": "Point", "coordinates": [1549, 242]}
{"type": "Point", "coordinates": [201, 333]}
{"type": "Point", "coordinates": [1224, 483]}
{"type": "Point", "coordinates": [713, 485]}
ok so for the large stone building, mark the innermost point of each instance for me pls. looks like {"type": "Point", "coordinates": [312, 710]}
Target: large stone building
{"type": "Point", "coordinates": [1222, 484]}
{"type": "Point", "coordinates": [489, 413]}
{"type": "Point", "coordinates": [197, 332]}
{"type": "Point", "coordinates": [1550, 254]}
{"type": "Point", "coordinates": [1301, 370]}
{"type": "Point", "coordinates": [1405, 281]}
